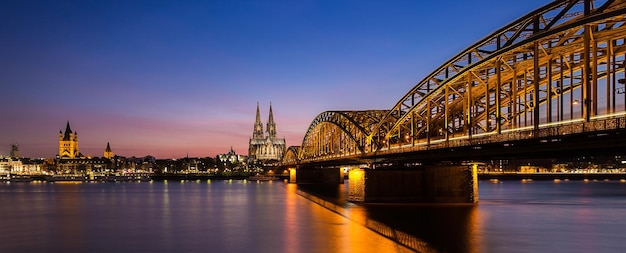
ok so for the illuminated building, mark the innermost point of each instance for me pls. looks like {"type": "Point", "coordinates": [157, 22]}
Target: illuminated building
{"type": "Point", "coordinates": [68, 143]}
{"type": "Point", "coordinates": [108, 153]}
{"type": "Point", "coordinates": [265, 147]}
{"type": "Point", "coordinates": [232, 157]}
{"type": "Point", "coordinates": [13, 165]}
{"type": "Point", "coordinates": [71, 161]}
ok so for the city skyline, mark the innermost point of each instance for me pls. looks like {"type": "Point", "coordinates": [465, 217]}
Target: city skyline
{"type": "Point", "coordinates": [172, 79]}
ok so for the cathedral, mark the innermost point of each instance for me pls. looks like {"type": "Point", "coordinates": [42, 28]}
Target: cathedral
{"type": "Point", "coordinates": [265, 147]}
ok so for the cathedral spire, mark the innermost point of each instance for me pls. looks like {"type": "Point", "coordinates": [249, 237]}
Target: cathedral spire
{"type": "Point", "coordinates": [258, 126]}
{"type": "Point", "coordinates": [271, 125]}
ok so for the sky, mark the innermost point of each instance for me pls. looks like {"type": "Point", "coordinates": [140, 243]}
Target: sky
{"type": "Point", "coordinates": [183, 78]}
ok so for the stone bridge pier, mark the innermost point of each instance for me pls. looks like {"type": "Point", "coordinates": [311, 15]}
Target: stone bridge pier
{"type": "Point", "coordinates": [316, 175]}
{"type": "Point", "coordinates": [425, 184]}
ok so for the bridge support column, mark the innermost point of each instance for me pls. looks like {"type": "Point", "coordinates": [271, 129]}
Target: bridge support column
{"type": "Point", "coordinates": [433, 184]}
{"type": "Point", "coordinates": [356, 184]}
{"type": "Point", "coordinates": [292, 175]}
{"type": "Point", "coordinates": [313, 175]}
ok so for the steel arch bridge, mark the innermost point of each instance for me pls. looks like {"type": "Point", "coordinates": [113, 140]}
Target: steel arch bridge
{"type": "Point", "coordinates": [558, 70]}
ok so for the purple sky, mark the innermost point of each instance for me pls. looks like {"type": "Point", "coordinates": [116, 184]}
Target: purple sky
{"type": "Point", "coordinates": [167, 78]}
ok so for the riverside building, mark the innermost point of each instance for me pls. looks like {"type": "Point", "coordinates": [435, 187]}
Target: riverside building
{"type": "Point", "coordinates": [71, 161]}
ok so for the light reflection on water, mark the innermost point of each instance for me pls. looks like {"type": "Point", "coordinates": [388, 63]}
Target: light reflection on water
{"type": "Point", "coordinates": [512, 216]}
{"type": "Point", "coordinates": [223, 216]}
{"type": "Point", "coordinates": [240, 216]}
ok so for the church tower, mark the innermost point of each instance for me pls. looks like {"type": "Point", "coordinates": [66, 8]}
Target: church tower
{"type": "Point", "coordinates": [258, 125]}
{"type": "Point", "coordinates": [271, 125]}
{"type": "Point", "coordinates": [68, 143]}
{"type": "Point", "coordinates": [108, 154]}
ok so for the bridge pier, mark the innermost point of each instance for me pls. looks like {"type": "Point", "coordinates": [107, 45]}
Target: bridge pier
{"type": "Point", "coordinates": [432, 184]}
{"type": "Point", "coordinates": [316, 175]}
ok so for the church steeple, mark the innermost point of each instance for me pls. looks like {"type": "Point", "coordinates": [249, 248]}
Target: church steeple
{"type": "Point", "coordinates": [108, 153]}
{"type": "Point", "coordinates": [271, 125]}
{"type": "Point", "coordinates": [258, 125]}
{"type": "Point", "coordinates": [68, 132]}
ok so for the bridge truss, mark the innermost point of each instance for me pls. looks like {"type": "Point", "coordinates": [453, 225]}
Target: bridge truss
{"type": "Point", "coordinates": [556, 70]}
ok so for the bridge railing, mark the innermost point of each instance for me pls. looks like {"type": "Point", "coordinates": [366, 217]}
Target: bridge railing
{"type": "Point", "coordinates": [545, 131]}
{"type": "Point", "coordinates": [600, 123]}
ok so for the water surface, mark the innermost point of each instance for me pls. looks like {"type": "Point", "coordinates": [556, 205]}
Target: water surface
{"type": "Point", "coordinates": [242, 216]}
{"type": "Point", "coordinates": [217, 216]}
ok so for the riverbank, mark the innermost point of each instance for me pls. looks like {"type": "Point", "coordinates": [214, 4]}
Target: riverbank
{"type": "Point", "coordinates": [161, 177]}
{"type": "Point", "coordinates": [553, 176]}
{"type": "Point", "coordinates": [143, 177]}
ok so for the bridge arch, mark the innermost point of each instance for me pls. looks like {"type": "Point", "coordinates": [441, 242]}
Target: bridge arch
{"type": "Point", "coordinates": [549, 66]}
{"type": "Point", "coordinates": [291, 155]}
{"type": "Point", "coordinates": [338, 133]}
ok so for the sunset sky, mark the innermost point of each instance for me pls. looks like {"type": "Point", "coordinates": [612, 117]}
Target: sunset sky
{"type": "Point", "coordinates": [171, 78]}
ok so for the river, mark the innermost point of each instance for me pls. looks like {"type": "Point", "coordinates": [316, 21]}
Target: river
{"type": "Point", "coordinates": [244, 216]}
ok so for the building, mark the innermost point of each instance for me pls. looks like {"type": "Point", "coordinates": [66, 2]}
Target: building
{"type": "Point", "coordinates": [232, 157]}
{"type": "Point", "coordinates": [108, 154]}
{"type": "Point", "coordinates": [71, 161]}
{"type": "Point", "coordinates": [27, 166]}
{"type": "Point", "coordinates": [265, 147]}
{"type": "Point", "coordinates": [68, 143]}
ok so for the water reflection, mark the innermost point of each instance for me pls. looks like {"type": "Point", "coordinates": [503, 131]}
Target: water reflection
{"type": "Point", "coordinates": [442, 228]}
{"type": "Point", "coordinates": [513, 216]}
{"type": "Point", "coordinates": [420, 227]}
{"type": "Point", "coordinates": [71, 215]}
{"type": "Point", "coordinates": [223, 216]}
{"type": "Point", "coordinates": [346, 235]}
{"type": "Point", "coordinates": [290, 221]}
